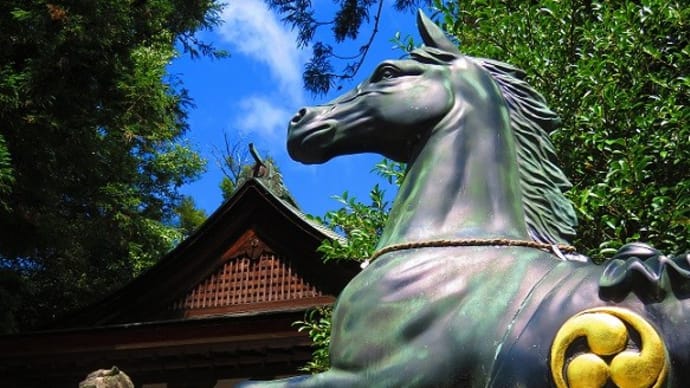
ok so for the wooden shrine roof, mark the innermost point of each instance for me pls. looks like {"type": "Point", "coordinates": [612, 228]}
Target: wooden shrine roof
{"type": "Point", "coordinates": [255, 253]}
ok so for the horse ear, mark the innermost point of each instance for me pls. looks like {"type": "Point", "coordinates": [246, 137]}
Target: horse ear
{"type": "Point", "coordinates": [432, 35]}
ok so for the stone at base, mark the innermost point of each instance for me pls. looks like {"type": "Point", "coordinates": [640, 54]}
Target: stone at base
{"type": "Point", "coordinates": [107, 378]}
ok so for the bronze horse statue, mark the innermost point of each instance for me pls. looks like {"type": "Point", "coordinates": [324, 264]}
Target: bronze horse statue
{"type": "Point", "coordinates": [473, 283]}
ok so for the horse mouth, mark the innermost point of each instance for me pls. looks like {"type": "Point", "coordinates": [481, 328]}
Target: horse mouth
{"type": "Point", "coordinates": [320, 131]}
{"type": "Point", "coordinates": [309, 145]}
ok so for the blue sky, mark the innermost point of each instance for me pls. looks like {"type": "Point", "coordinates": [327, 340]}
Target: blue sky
{"type": "Point", "coordinates": [253, 94]}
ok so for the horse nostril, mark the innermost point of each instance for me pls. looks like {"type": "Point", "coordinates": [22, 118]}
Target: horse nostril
{"type": "Point", "coordinates": [297, 117]}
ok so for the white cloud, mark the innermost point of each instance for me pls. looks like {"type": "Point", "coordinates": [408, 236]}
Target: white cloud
{"type": "Point", "coordinates": [256, 32]}
{"type": "Point", "coordinates": [264, 118]}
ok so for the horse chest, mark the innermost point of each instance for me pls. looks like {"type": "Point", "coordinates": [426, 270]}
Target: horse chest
{"type": "Point", "coordinates": [406, 304]}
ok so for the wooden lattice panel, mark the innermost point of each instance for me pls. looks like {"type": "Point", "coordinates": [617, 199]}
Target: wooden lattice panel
{"type": "Point", "coordinates": [243, 280]}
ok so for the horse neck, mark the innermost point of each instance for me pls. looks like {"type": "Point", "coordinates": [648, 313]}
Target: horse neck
{"type": "Point", "coordinates": [463, 183]}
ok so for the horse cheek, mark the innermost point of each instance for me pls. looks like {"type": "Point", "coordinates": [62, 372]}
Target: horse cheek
{"type": "Point", "coordinates": [422, 103]}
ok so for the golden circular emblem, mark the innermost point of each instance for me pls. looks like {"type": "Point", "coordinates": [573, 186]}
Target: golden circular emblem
{"type": "Point", "coordinates": [608, 344]}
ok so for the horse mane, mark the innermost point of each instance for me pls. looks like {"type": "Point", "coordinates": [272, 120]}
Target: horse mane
{"type": "Point", "coordinates": [549, 215]}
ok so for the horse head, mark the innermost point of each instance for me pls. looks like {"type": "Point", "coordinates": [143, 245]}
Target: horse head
{"type": "Point", "coordinates": [394, 110]}
{"type": "Point", "coordinates": [469, 120]}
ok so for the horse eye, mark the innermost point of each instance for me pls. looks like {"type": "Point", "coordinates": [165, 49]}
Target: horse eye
{"type": "Point", "coordinates": [386, 72]}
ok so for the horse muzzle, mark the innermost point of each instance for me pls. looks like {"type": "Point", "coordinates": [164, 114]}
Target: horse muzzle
{"type": "Point", "coordinates": [308, 137]}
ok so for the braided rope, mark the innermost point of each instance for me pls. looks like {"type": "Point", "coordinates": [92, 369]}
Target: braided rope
{"type": "Point", "coordinates": [466, 242]}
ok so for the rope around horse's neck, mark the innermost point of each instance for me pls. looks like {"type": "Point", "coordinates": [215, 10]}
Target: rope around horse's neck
{"type": "Point", "coordinates": [467, 242]}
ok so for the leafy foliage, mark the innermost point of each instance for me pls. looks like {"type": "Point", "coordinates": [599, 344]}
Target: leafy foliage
{"type": "Point", "coordinates": [6, 172]}
{"type": "Point", "coordinates": [317, 323]}
{"type": "Point", "coordinates": [346, 24]}
{"type": "Point", "coordinates": [189, 217]}
{"type": "Point", "coordinates": [616, 73]}
{"type": "Point", "coordinates": [361, 223]}
{"type": "Point", "coordinates": [92, 128]}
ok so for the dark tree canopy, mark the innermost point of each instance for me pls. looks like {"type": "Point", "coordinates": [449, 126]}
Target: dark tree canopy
{"type": "Point", "coordinates": [90, 153]}
{"type": "Point", "coordinates": [349, 19]}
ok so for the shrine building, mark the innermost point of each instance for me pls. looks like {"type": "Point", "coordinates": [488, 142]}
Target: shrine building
{"type": "Point", "coordinates": [218, 309]}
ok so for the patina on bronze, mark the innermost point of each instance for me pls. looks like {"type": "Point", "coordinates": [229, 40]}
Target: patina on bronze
{"type": "Point", "coordinates": [481, 168]}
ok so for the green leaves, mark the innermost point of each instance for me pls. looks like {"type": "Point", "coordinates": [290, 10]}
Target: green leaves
{"type": "Point", "coordinates": [360, 223]}
{"type": "Point", "coordinates": [6, 172]}
{"type": "Point", "coordinates": [20, 14]}
{"type": "Point", "coordinates": [189, 217]}
{"type": "Point", "coordinates": [317, 323]}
